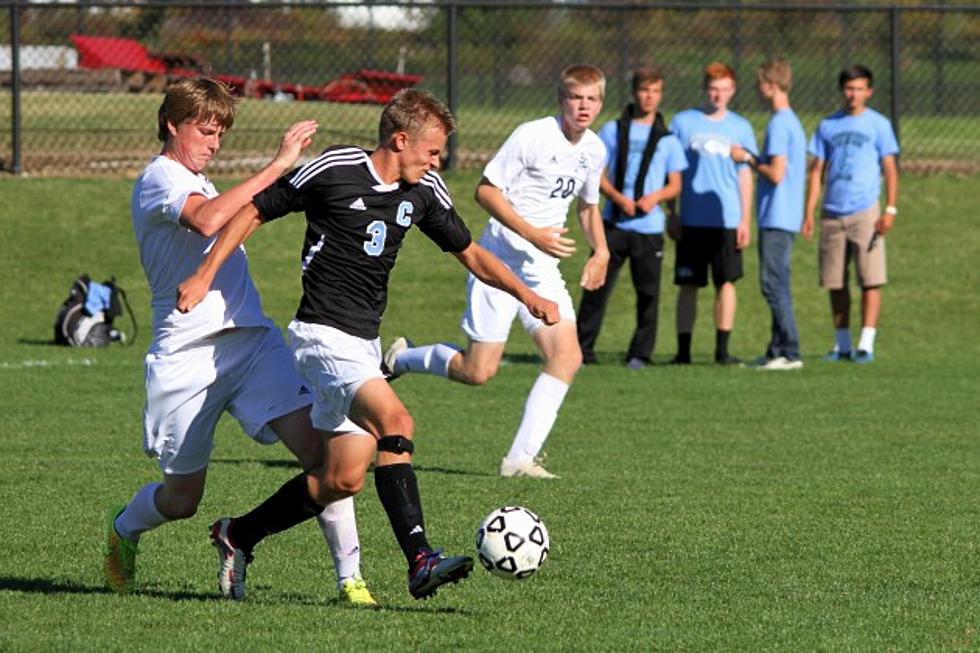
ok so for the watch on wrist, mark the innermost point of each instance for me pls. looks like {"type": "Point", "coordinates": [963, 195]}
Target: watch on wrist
{"type": "Point", "coordinates": [891, 210]}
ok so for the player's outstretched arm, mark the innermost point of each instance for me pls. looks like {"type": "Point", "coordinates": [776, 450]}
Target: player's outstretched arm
{"type": "Point", "coordinates": [490, 270]}
{"type": "Point", "coordinates": [194, 288]}
{"type": "Point", "coordinates": [594, 272]}
{"type": "Point", "coordinates": [550, 240]}
{"type": "Point", "coordinates": [207, 216]}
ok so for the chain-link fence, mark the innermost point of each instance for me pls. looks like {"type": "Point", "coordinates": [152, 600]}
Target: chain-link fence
{"type": "Point", "coordinates": [81, 82]}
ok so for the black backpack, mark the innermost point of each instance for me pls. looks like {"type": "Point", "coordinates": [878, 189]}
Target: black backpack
{"type": "Point", "coordinates": [86, 316]}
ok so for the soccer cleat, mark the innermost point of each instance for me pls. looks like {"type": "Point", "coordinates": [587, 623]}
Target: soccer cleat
{"type": "Point", "coordinates": [528, 469]}
{"type": "Point", "coordinates": [780, 363]}
{"type": "Point", "coordinates": [863, 357]}
{"type": "Point", "coordinates": [390, 357]}
{"type": "Point", "coordinates": [232, 561]}
{"type": "Point", "coordinates": [728, 360]}
{"type": "Point", "coordinates": [432, 570]}
{"type": "Point", "coordinates": [119, 566]}
{"type": "Point", "coordinates": [834, 356]}
{"type": "Point", "coordinates": [354, 591]}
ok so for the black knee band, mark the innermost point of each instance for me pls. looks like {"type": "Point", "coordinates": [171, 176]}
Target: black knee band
{"type": "Point", "coordinates": [396, 444]}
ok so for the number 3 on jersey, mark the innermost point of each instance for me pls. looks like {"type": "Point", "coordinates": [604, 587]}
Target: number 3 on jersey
{"type": "Point", "coordinates": [563, 188]}
{"type": "Point", "coordinates": [378, 230]}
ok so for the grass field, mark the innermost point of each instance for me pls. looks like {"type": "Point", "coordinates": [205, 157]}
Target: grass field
{"type": "Point", "coordinates": [700, 508]}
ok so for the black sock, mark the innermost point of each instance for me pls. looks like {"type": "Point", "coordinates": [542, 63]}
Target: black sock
{"type": "Point", "coordinates": [398, 490]}
{"type": "Point", "coordinates": [721, 344]}
{"type": "Point", "coordinates": [290, 505]}
{"type": "Point", "coordinates": [684, 346]}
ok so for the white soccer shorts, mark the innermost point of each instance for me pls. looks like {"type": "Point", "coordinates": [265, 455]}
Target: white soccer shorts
{"type": "Point", "coordinates": [248, 372]}
{"type": "Point", "coordinates": [335, 364]}
{"type": "Point", "coordinates": [490, 311]}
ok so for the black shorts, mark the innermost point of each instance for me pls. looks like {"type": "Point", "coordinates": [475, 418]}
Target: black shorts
{"type": "Point", "coordinates": [700, 247]}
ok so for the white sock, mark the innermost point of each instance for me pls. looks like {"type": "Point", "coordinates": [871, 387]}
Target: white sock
{"type": "Point", "coordinates": [843, 340]}
{"type": "Point", "coordinates": [427, 359]}
{"type": "Point", "coordinates": [141, 514]}
{"type": "Point", "coordinates": [867, 341]}
{"type": "Point", "coordinates": [339, 529]}
{"type": "Point", "coordinates": [540, 413]}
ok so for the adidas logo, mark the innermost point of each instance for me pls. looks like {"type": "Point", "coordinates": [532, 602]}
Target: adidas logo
{"type": "Point", "coordinates": [417, 529]}
{"type": "Point", "coordinates": [358, 205]}
{"type": "Point", "coordinates": [303, 390]}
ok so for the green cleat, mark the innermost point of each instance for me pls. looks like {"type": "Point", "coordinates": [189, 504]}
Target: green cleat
{"type": "Point", "coordinates": [119, 565]}
{"type": "Point", "coordinates": [354, 591]}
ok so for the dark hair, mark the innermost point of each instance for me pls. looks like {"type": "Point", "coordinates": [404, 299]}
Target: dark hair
{"type": "Point", "coordinates": [646, 75]}
{"type": "Point", "coordinates": [856, 71]}
{"type": "Point", "coordinates": [198, 98]}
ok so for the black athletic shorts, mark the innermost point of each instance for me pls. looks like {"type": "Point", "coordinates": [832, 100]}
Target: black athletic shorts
{"type": "Point", "coordinates": [700, 247]}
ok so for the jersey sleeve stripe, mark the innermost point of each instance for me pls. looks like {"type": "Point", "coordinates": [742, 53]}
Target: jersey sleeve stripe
{"type": "Point", "coordinates": [344, 156]}
{"type": "Point", "coordinates": [438, 187]}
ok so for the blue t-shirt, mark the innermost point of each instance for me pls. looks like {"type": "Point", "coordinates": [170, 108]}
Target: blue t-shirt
{"type": "Point", "coordinates": [780, 206]}
{"type": "Point", "coordinates": [710, 195]}
{"type": "Point", "coordinates": [667, 157]}
{"type": "Point", "coordinates": [853, 147]}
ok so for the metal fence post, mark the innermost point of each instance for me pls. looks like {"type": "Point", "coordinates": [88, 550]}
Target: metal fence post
{"type": "Point", "coordinates": [895, 55]}
{"type": "Point", "coordinates": [452, 75]}
{"type": "Point", "coordinates": [15, 130]}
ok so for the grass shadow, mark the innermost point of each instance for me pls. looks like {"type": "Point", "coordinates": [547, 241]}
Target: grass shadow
{"type": "Point", "coordinates": [292, 464]}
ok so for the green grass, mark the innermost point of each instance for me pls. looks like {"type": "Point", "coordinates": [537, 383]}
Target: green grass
{"type": "Point", "coordinates": [700, 508]}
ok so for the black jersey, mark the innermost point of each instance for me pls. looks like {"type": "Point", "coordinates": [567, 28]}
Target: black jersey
{"type": "Point", "coordinates": [355, 224]}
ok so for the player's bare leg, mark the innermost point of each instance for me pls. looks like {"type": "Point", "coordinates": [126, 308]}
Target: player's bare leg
{"type": "Point", "coordinates": [478, 363]}
{"type": "Point", "coordinates": [378, 410]}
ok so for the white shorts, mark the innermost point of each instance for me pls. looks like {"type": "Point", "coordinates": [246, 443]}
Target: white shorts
{"type": "Point", "coordinates": [247, 372]}
{"type": "Point", "coordinates": [335, 364]}
{"type": "Point", "coordinates": [490, 311]}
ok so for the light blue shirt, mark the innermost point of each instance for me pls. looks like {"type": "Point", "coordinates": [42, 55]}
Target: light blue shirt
{"type": "Point", "coordinates": [853, 147]}
{"type": "Point", "coordinates": [710, 195]}
{"type": "Point", "coordinates": [667, 157]}
{"type": "Point", "coordinates": [780, 206]}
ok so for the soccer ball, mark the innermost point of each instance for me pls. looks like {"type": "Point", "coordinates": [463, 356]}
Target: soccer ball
{"type": "Point", "coordinates": [512, 542]}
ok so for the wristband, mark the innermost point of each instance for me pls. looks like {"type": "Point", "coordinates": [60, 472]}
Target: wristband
{"type": "Point", "coordinates": [891, 210]}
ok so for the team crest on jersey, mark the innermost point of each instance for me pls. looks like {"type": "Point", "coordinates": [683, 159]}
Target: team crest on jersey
{"type": "Point", "coordinates": [583, 160]}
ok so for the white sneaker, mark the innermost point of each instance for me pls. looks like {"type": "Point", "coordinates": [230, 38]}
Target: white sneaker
{"type": "Point", "coordinates": [391, 355]}
{"type": "Point", "coordinates": [528, 469]}
{"type": "Point", "coordinates": [232, 562]}
{"type": "Point", "coordinates": [781, 363]}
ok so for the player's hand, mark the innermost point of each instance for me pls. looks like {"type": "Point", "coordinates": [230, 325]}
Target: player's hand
{"type": "Point", "coordinates": [739, 154]}
{"type": "Point", "coordinates": [627, 206]}
{"type": "Point", "coordinates": [543, 309]}
{"type": "Point", "coordinates": [296, 139]}
{"type": "Point", "coordinates": [646, 203]}
{"type": "Point", "coordinates": [743, 235]}
{"type": "Point", "coordinates": [806, 229]}
{"type": "Point", "coordinates": [594, 272]}
{"type": "Point", "coordinates": [884, 223]}
{"type": "Point", "coordinates": [192, 292]}
{"type": "Point", "coordinates": [552, 241]}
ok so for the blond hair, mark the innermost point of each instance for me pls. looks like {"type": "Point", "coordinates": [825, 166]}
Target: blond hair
{"type": "Point", "coordinates": [580, 74]}
{"type": "Point", "coordinates": [776, 71]}
{"type": "Point", "coordinates": [196, 98]}
{"type": "Point", "coordinates": [411, 111]}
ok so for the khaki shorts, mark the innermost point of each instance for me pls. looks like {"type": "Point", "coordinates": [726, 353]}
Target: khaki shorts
{"type": "Point", "coordinates": [852, 237]}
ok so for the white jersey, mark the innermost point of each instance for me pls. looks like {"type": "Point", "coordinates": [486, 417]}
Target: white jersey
{"type": "Point", "coordinates": [171, 252]}
{"type": "Point", "coordinates": [540, 172]}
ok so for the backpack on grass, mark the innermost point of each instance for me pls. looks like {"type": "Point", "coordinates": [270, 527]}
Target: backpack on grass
{"type": "Point", "coordinates": [86, 316]}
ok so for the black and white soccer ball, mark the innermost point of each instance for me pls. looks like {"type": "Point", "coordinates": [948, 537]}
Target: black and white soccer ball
{"type": "Point", "coordinates": [512, 542]}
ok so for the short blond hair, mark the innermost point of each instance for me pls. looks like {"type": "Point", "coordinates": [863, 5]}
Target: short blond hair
{"type": "Point", "coordinates": [411, 111]}
{"type": "Point", "coordinates": [580, 74]}
{"type": "Point", "coordinates": [776, 71]}
{"type": "Point", "coordinates": [196, 98]}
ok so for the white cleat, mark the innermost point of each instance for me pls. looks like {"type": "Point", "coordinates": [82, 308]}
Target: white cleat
{"type": "Point", "coordinates": [232, 562]}
{"type": "Point", "coordinates": [527, 469]}
{"type": "Point", "coordinates": [391, 355]}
